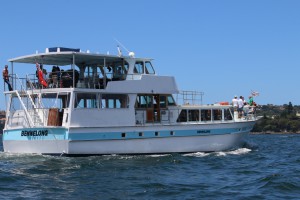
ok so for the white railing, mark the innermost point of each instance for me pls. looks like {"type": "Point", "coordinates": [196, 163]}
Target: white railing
{"type": "Point", "coordinates": [35, 115]}
{"type": "Point", "coordinates": [28, 116]}
{"type": "Point", "coordinates": [171, 116]}
{"type": "Point", "coordinates": [190, 97]}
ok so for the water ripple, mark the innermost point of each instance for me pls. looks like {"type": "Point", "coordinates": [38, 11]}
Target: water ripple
{"type": "Point", "coordinates": [266, 168]}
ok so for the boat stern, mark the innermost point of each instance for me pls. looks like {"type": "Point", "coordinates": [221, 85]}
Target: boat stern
{"type": "Point", "coordinates": [36, 140]}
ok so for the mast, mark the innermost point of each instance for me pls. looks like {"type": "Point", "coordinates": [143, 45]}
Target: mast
{"type": "Point", "coordinates": [73, 68]}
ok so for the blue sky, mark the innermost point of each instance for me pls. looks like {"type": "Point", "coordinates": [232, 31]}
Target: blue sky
{"type": "Point", "coordinates": [222, 48]}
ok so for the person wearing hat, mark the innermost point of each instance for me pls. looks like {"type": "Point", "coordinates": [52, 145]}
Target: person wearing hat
{"type": "Point", "coordinates": [6, 77]}
{"type": "Point", "coordinates": [235, 103]}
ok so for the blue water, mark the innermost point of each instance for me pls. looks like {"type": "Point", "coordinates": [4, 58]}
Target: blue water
{"type": "Point", "coordinates": [268, 167]}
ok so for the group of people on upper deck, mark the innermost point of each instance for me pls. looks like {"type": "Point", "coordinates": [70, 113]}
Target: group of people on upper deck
{"type": "Point", "coordinates": [55, 78]}
{"type": "Point", "coordinates": [242, 106]}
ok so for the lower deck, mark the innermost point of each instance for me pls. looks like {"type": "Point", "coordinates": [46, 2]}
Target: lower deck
{"type": "Point", "coordinates": [78, 109]}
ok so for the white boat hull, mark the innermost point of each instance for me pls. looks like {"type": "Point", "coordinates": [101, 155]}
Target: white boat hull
{"type": "Point", "coordinates": [208, 138]}
{"type": "Point", "coordinates": [163, 145]}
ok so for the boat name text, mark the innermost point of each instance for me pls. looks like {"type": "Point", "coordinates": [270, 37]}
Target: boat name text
{"type": "Point", "coordinates": [204, 131]}
{"type": "Point", "coordinates": [35, 133]}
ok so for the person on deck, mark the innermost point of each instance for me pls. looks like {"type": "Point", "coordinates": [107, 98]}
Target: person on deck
{"type": "Point", "coordinates": [6, 77]}
{"type": "Point", "coordinates": [40, 75]}
{"type": "Point", "coordinates": [250, 102]}
{"type": "Point", "coordinates": [240, 106]}
{"type": "Point", "coordinates": [235, 103]}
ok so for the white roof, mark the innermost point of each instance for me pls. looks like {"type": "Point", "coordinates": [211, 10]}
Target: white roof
{"type": "Point", "coordinates": [66, 58]}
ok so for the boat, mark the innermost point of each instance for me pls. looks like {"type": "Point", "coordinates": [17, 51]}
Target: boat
{"type": "Point", "coordinates": [101, 104]}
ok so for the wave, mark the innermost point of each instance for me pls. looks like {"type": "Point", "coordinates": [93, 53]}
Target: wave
{"type": "Point", "coordinates": [239, 151]}
{"type": "Point", "coordinates": [157, 155]}
{"type": "Point", "coordinates": [17, 155]}
{"type": "Point", "coordinates": [197, 154]}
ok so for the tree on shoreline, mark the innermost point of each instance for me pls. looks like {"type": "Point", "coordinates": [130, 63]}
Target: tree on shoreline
{"type": "Point", "coordinates": [278, 119]}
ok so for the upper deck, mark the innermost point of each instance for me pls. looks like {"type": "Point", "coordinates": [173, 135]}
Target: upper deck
{"type": "Point", "coordinates": [65, 68]}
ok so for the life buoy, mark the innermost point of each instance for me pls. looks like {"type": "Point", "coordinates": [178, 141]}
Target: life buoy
{"type": "Point", "coordinates": [224, 103]}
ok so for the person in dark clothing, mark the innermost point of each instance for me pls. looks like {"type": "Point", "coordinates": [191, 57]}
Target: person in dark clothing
{"type": "Point", "coordinates": [6, 77]}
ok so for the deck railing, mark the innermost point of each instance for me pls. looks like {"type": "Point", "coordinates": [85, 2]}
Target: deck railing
{"type": "Point", "coordinates": [65, 80]}
{"type": "Point", "coordinates": [171, 116]}
{"type": "Point", "coordinates": [189, 97]}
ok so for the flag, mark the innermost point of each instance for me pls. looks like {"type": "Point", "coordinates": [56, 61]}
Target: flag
{"type": "Point", "coordinates": [254, 93]}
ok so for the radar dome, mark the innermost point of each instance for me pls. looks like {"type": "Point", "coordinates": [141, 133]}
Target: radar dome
{"type": "Point", "coordinates": [131, 54]}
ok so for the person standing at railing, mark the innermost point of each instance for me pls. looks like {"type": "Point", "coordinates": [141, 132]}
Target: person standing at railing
{"type": "Point", "coordinates": [240, 106]}
{"type": "Point", "coordinates": [41, 76]}
{"type": "Point", "coordinates": [250, 102]}
{"type": "Point", "coordinates": [235, 103]}
{"type": "Point", "coordinates": [6, 77]}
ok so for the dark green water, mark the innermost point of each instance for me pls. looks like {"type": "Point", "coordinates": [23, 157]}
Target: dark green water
{"type": "Point", "coordinates": [267, 168]}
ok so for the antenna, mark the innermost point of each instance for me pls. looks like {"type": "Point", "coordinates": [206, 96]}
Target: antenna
{"type": "Point", "coordinates": [130, 53]}
{"type": "Point", "coordinates": [122, 45]}
{"type": "Point", "coordinates": [119, 51]}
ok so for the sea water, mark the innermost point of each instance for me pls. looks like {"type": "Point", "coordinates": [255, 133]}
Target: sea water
{"type": "Point", "coordinates": [268, 167]}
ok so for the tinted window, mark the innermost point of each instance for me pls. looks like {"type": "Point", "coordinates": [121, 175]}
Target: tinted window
{"type": "Point", "coordinates": [139, 67]}
{"type": "Point", "coordinates": [149, 68]}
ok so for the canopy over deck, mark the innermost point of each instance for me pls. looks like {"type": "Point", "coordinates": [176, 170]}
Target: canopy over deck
{"type": "Point", "coordinates": [66, 58]}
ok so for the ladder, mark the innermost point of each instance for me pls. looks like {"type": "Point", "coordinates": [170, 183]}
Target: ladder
{"type": "Point", "coordinates": [34, 117]}
{"type": "Point", "coordinates": [28, 117]}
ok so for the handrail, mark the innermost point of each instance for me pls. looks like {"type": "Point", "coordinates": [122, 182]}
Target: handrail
{"type": "Point", "coordinates": [31, 101]}
{"type": "Point", "coordinates": [31, 124]}
{"type": "Point", "coordinates": [190, 97]}
{"type": "Point", "coordinates": [92, 82]}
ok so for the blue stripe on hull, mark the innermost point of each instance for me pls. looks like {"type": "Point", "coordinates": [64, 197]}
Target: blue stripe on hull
{"type": "Point", "coordinates": [148, 134]}
{"type": "Point", "coordinates": [63, 134]}
{"type": "Point", "coordinates": [28, 134]}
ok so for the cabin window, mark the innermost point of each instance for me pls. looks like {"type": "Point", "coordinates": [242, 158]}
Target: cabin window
{"type": "Point", "coordinates": [120, 70]}
{"type": "Point", "coordinates": [88, 71]}
{"type": "Point", "coordinates": [144, 101]}
{"type": "Point", "coordinates": [139, 67]}
{"type": "Point", "coordinates": [162, 102]}
{"type": "Point", "coordinates": [182, 116]}
{"type": "Point", "coordinates": [86, 100]}
{"type": "Point", "coordinates": [45, 102]}
{"type": "Point", "coordinates": [193, 115]}
{"type": "Point", "coordinates": [205, 115]}
{"type": "Point", "coordinates": [116, 70]}
{"type": "Point", "coordinates": [227, 114]}
{"type": "Point", "coordinates": [217, 114]}
{"type": "Point", "coordinates": [171, 101]}
{"type": "Point", "coordinates": [149, 69]}
{"type": "Point", "coordinates": [53, 100]}
{"type": "Point", "coordinates": [114, 101]}
{"type": "Point", "coordinates": [147, 101]}
{"type": "Point", "coordinates": [108, 71]}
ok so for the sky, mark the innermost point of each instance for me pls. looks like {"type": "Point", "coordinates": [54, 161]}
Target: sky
{"type": "Point", "coordinates": [220, 47]}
